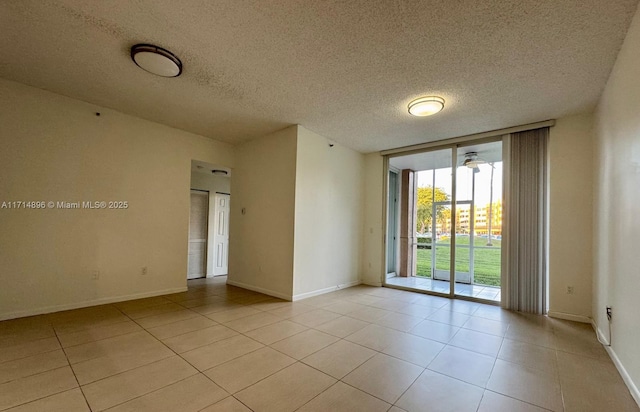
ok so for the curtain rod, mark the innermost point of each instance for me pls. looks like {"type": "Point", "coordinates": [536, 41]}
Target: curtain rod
{"type": "Point", "coordinates": [470, 137]}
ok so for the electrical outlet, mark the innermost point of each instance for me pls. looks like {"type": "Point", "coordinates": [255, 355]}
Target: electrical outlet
{"type": "Point", "coordinates": [144, 271]}
{"type": "Point", "coordinates": [609, 313]}
{"type": "Point", "coordinates": [95, 275]}
{"type": "Point", "coordinates": [569, 290]}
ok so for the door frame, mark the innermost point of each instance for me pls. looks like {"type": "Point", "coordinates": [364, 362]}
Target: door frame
{"type": "Point", "coordinates": [206, 242]}
{"type": "Point", "coordinates": [393, 220]}
{"type": "Point", "coordinates": [434, 242]}
{"type": "Point", "coordinates": [386, 167]}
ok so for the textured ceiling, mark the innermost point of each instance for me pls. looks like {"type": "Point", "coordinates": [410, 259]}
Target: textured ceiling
{"type": "Point", "coordinates": [345, 70]}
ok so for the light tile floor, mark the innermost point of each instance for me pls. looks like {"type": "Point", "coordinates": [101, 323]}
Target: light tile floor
{"type": "Point", "coordinates": [427, 284]}
{"type": "Point", "coordinates": [222, 348]}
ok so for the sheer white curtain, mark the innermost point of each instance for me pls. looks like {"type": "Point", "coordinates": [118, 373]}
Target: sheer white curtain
{"type": "Point", "coordinates": [524, 243]}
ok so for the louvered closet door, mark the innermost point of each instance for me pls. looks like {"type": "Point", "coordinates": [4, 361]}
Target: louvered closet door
{"type": "Point", "coordinates": [198, 234]}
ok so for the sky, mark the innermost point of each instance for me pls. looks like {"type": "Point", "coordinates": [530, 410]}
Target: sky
{"type": "Point", "coordinates": [464, 178]}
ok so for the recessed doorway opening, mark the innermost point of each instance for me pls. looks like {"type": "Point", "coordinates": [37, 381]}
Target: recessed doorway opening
{"type": "Point", "coordinates": [209, 220]}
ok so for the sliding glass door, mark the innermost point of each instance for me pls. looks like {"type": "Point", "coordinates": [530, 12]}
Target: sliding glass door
{"type": "Point", "coordinates": [442, 246]}
{"type": "Point", "coordinates": [451, 220]}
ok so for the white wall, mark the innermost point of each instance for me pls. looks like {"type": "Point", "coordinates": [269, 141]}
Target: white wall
{"type": "Point", "coordinates": [329, 212]}
{"type": "Point", "coordinates": [56, 149]}
{"type": "Point", "coordinates": [374, 228]}
{"type": "Point", "coordinates": [261, 240]}
{"type": "Point", "coordinates": [570, 217]}
{"type": "Point", "coordinates": [617, 209]}
{"type": "Point", "coordinates": [213, 184]}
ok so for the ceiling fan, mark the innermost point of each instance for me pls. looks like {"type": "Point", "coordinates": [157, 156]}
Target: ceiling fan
{"type": "Point", "coordinates": [472, 161]}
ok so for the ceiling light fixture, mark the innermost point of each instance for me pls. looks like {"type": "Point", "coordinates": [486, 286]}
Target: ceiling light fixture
{"type": "Point", "coordinates": [472, 161]}
{"type": "Point", "coordinates": [426, 106]}
{"type": "Point", "coordinates": [156, 60]}
{"type": "Point", "coordinates": [219, 172]}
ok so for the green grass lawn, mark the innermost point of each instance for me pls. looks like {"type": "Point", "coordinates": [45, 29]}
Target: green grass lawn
{"type": "Point", "coordinates": [486, 261]}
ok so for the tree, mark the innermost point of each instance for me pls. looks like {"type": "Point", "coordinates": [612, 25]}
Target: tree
{"type": "Point", "coordinates": [425, 206]}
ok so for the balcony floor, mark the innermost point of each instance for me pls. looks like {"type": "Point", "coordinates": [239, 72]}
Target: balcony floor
{"type": "Point", "coordinates": [485, 292]}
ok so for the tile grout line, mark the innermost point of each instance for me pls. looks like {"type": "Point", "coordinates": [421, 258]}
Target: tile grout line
{"type": "Point", "coordinates": [379, 352]}
{"type": "Point", "coordinates": [493, 367]}
{"type": "Point", "coordinates": [310, 366]}
{"type": "Point", "coordinates": [347, 299]}
{"type": "Point", "coordinates": [555, 358]}
{"type": "Point", "coordinates": [233, 395]}
{"type": "Point", "coordinates": [519, 400]}
{"type": "Point", "coordinates": [86, 401]}
{"type": "Point", "coordinates": [147, 364]}
{"type": "Point", "coordinates": [300, 360]}
{"type": "Point", "coordinates": [34, 354]}
{"type": "Point", "coordinates": [98, 340]}
{"type": "Point", "coordinates": [162, 343]}
{"type": "Point", "coordinates": [341, 379]}
{"type": "Point", "coordinates": [153, 391]}
{"type": "Point", "coordinates": [198, 371]}
{"type": "Point", "coordinates": [43, 397]}
{"type": "Point", "coordinates": [357, 367]}
{"type": "Point", "coordinates": [317, 395]}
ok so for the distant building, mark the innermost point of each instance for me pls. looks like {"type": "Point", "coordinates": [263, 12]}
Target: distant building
{"type": "Point", "coordinates": [481, 220]}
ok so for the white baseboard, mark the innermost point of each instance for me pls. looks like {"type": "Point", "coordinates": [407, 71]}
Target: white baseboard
{"type": "Point", "coordinates": [325, 290]}
{"type": "Point", "coordinates": [633, 389]}
{"type": "Point", "coordinates": [269, 292]}
{"type": "Point", "coordinates": [603, 339]}
{"type": "Point", "coordinates": [569, 316]}
{"type": "Point", "coordinates": [369, 283]}
{"type": "Point", "coordinates": [88, 303]}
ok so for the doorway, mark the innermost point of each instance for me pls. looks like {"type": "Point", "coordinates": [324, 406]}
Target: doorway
{"type": "Point", "coordinates": [458, 220]}
{"type": "Point", "coordinates": [198, 230]}
{"type": "Point", "coordinates": [213, 184]}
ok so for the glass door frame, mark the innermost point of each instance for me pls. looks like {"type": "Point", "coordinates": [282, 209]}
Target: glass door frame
{"type": "Point", "coordinates": [435, 243]}
{"type": "Point", "coordinates": [454, 221]}
{"type": "Point", "coordinates": [453, 201]}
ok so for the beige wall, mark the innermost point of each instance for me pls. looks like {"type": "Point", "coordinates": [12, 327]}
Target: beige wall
{"type": "Point", "coordinates": [56, 149]}
{"type": "Point", "coordinates": [210, 182]}
{"type": "Point", "coordinates": [374, 223]}
{"type": "Point", "coordinates": [617, 210]}
{"type": "Point", "coordinates": [328, 215]}
{"type": "Point", "coordinates": [570, 217]}
{"type": "Point", "coordinates": [261, 240]}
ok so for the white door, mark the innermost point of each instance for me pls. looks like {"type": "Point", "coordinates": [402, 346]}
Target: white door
{"type": "Point", "coordinates": [198, 234]}
{"type": "Point", "coordinates": [221, 235]}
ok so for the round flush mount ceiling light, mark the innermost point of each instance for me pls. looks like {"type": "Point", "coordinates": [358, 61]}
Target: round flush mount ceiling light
{"type": "Point", "coordinates": [426, 106]}
{"type": "Point", "coordinates": [156, 60]}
